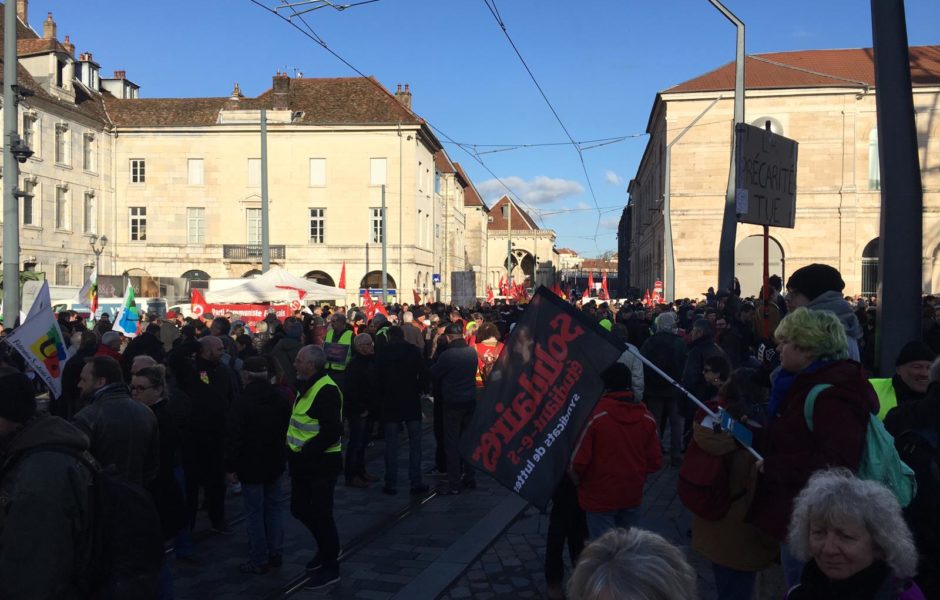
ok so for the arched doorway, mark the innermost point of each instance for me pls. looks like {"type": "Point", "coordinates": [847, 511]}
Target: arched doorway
{"type": "Point", "coordinates": [251, 274]}
{"type": "Point", "coordinates": [373, 280]}
{"type": "Point", "coordinates": [197, 280]}
{"type": "Point", "coordinates": [523, 265]}
{"type": "Point", "coordinates": [749, 263]}
{"type": "Point", "coordinates": [320, 277]}
{"type": "Point", "coordinates": [870, 270]}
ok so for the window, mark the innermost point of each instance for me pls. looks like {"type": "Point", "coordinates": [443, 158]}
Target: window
{"type": "Point", "coordinates": [62, 217]}
{"type": "Point", "coordinates": [377, 226]}
{"type": "Point", "coordinates": [317, 225]}
{"type": "Point", "coordinates": [138, 223]}
{"type": "Point", "coordinates": [63, 138]}
{"type": "Point", "coordinates": [196, 225]}
{"type": "Point", "coordinates": [89, 213]}
{"type": "Point", "coordinates": [87, 270]}
{"type": "Point", "coordinates": [195, 171]}
{"type": "Point", "coordinates": [31, 203]}
{"type": "Point", "coordinates": [89, 152]}
{"type": "Point", "coordinates": [317, 172]}
{"type": "Point", "coordinates": [29, 267]}
{"type": "Point", "coordinates": [62, 274]}
{"type": "Point", "coordinates": [874, 168]}
{"type": "Point", "coordinates": [31, 132]}
{"type": "Point", "coordinates": [138, 170]}
{"type": "Point", "coordinates": [254, 172]}
{"type": "Point", "coordinates": [253, 218]}
{"type": "Point", "coordinates": [376, 171]}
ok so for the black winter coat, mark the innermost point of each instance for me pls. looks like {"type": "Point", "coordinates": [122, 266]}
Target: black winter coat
{"type": "Point", "coordinates": [359, 386]}
{"type": "Point", "coordinates": [165, 489]}
{"type": "Point", "coordinates": [402, 376]}
{"type": "Point", "coordinates": [256, 430]}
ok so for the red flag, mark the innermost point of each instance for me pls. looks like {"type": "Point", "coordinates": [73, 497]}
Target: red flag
{"type": "Point", "coordinates": [197, 304]}
{"type": "Point", "coordinates": [416, 295]}
{"type": "Point", "coordinates": [342, 276]}
{"type": "Point", "coordinates": [604, 287]}
{"type": "Point", "coordinates": [656, 298]}
{"type": "Point", "coordinates": [646, 298]}
{"type": "Point", "coordinates": [591, 280]}
{"type": "Point", "coordinates": [380, 308]}
{"type": "Point", "coordinates": [368, 305]}
{"type": "Point", "coordinates": [504, 286]}
{"type": "Point", "coordinates": [490, 296]}
{"type": "Point", "coordinates": [557, 290]}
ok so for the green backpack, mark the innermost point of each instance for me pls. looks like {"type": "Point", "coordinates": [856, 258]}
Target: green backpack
{"type": "Point", "coordinates": [880, 460]}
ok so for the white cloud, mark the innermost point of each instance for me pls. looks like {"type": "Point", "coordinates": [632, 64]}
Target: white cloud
{"type": "Point", "coordinates": [540, 190]}
{"type": "Point", "coordinates": [611, 223]}
{"type": "Point", "coordinates": [612, 178]}
{"type": "Point", "coordinates": [582, 205]}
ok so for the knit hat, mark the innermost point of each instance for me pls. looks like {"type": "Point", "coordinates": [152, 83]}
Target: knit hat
{"type": "Point", "coordinates": [379, 319]}
{"type": "Point", "coordinates": [814, 280]}
{"type": "Point", "coordinates": [666, 321]}
{"type": "Point", "coordinates": [912, 351]}
{"type": "Point", "coordinates": [18, 401]}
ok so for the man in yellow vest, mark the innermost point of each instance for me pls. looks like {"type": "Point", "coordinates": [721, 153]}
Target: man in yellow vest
{"type": "Point", "coordinates": [338, 347]}
{"type": "Point", "coordinates": [315, 459]}
{"type": "Point", "coordinates": [911, 377]}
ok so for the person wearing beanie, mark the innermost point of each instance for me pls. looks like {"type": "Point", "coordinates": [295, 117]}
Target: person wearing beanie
{"type": "Point", "coordinates": [819, 287]}
{"type": "Point", "coordinates": [46, 493]}
{"type": "Point", "coordinates": [910, 380]}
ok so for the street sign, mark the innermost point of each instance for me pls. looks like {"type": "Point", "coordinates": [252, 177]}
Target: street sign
{"type": "Point", "coordinates": [435, 278]}
{"type": "Point", "coordinates": [765, 164]}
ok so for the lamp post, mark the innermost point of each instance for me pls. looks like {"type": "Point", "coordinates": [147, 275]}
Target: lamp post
{"type": "Point", "coordinates": [97, 246]}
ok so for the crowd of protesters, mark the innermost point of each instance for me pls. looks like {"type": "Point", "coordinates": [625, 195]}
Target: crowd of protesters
{"type": "Point", "coordinates": [281, 410]}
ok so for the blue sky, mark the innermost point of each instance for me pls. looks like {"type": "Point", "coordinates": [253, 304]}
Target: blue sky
{"type": "Point", "coordinates": [599, 62]}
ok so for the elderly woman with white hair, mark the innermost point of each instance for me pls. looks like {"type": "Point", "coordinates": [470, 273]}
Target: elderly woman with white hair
{"type": "Point", "coordinates": [854, 539]}
{"type": "Point", "coordinates": [632, 564]}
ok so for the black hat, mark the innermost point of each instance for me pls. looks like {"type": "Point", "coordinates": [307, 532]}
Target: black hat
{"type": "Point", "coordinates": [912, 351]}
{"type": "Point", "coordinates": [814, 280]}
{"type": "Point", "coordinates": [453, 329]}
{"type": "Point", "coordinates": [18, 401]}
{"type": "Point", "coordinates": [255, 364]}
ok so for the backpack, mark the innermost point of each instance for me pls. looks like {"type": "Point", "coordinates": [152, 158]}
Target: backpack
{"type": "Point", "coordinates": [125, 534]}
{"type": "Point", "coordinates": [880, 460]}
{"type": "Point", "coordinates": [704, 482]}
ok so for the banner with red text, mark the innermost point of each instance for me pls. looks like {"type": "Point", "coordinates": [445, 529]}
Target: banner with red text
{"type": "Point", "coordinates": [538, 397]}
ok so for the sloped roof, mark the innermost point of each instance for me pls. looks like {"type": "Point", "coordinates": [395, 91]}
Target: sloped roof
{"type": "Point", "coordinates": [813, 68]}
{"type": "Point", "coordinates": [567, 251]}
{"type": "Point", "coordinates": [470, 195]}
{"type": "Point", "coordinates": [520, 218]}
{"type": "Point", "coordinates": [442, 163]}
{"type": "Point", "coordinates": [324, 101]}
{"type": "Point", "coordinates": [30, 46]}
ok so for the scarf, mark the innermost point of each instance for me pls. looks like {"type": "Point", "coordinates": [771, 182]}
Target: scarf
{"type": "Point", "coordinates": [782, 384]}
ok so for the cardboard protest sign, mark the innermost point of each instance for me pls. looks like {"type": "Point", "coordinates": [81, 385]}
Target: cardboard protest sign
{"type": "Point", "coordinates": [539, 395]}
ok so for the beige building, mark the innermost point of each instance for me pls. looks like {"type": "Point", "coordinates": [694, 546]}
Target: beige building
{"type": "Point", "coordinates": [476, 240]}
{"type": "Point", "coordinates": [823, 99]}
{"type": "Point", "coordinates": [534, 259]}
{"type": "Point", "coordinates": [66, 183]}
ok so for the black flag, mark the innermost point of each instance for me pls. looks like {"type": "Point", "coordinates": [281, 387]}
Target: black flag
{"type": "Point", "coordinates": [539, 395]}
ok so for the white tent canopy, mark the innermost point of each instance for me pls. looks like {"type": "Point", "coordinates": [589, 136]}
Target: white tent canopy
{"type": "Point", "coordinates": [277, 285]}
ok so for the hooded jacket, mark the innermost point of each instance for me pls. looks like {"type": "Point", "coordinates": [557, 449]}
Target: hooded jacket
{"type": "Point", "coordinates": [792, 452]}
{"type": "Point", "coordinates": [255, 433]}
{"type": "Point", "coordinates": [45, 509]}
{"type": "Point", "coordinates": [618, 448]}
{"type": "Point", "coordinates": [835, 303]}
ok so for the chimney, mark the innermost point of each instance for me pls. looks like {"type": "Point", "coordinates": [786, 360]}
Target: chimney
{"type": "Point", "coordinates": [22, 11]}
{"type": "Point", "coordinates": [281, 90]}
{"type": "Point", "coordinates": [404, 96]}
{"type": "Point", "coordinates": [69, 46]}
{"type": "Point", "coordinates": [120, 74]}
{"type": "Point", "coordinates": [48, 28]}
{"type": "Point", "coordinates": [85, 57]}
{"type": "Point", "coordinates": [234, 98]}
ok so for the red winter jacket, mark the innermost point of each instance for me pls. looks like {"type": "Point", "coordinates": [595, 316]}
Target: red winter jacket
{"type": "Point", "coordinates": [792, 452]}
{"type": "Point", "coordinates": [618, 448]}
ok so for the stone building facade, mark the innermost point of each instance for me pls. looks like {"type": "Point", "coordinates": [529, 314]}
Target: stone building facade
{"type": "Point", "coordinates": [823, 99]}
{"type": "Point", "coordinates": [534, 258]}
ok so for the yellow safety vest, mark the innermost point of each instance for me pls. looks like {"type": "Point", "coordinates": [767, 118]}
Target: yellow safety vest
{"type": "Point", "coordinates": [887, 398]}
{"type": "Point", "coordinates": [302, 428]}
{"type": "Point", "coordinates": [344, 340]}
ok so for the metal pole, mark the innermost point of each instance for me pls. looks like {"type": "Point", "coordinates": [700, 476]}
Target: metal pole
{"type": "Point", "coordinates": [265, 241]}
{"type": "Point", "coordinates": [401, 215]}
{"type": "Point", "coordinates": [901, 256]}
{"type": "Point", "coordinates": [729, 223]}
{"type": "Point", "coordinates": [384, 252]}
{"type": "Point", "coordinates": [509, 246]}
{"type": "Point", "coordinates": [11, 171]}
{"type": "Point", "coordinates": [765, 294]}
{"type": "Point", "coordinates": [669, 257]}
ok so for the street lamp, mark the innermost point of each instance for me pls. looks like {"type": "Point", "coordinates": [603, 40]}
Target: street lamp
{"type": "Point", "coordinates": [97, 246]}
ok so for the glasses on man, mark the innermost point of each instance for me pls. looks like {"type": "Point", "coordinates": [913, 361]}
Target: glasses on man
{"type": "Point", "coordinates": [140, 388]}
